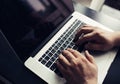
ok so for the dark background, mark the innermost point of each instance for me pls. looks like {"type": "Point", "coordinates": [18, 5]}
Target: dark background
{"type": "Point", "coordinates": [113, 3]}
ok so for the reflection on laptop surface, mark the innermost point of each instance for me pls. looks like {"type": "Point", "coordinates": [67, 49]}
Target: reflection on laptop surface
{"type": "Point", "coordinates": [54, 24]}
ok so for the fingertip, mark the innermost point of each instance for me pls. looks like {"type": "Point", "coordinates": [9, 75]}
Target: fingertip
{"type": "Point", "coordinates": [70, 49]}
{"type": "Point", "coordinates": [59, 57]}
{"type": "Point", "coordinates": [87, 53]}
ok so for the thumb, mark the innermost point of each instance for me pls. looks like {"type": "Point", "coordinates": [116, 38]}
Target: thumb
{"type": "Point", "coordinates": [89, 57]}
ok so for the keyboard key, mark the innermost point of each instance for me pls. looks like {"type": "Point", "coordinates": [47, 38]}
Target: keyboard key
{"type": "Point", "coordinates": [53, 67]}
{"type": "Point", "coordinates": [49, 64]}
{"type": "Point", "coordinates": [50, 48]}
{"type": "Point", "coordinates": [50, 54]}
{"type": "Point", "coordinates": [40, 59]}
{"type": "Point", "coordinates": [61, 49]}
{"type": "Point", "coordinates": [56, 55]}
{"type": "Point", "coordinates": [56, 47]}
{"type": "Point", "coordinates": [47, 58]}
{"type": "Point", "coordinates": [58, 52]}
{"type": "Point", "coordinates": [75, 47]}
{"type": "Point", "coordinates": [44, 56]}
{"type": "Point", "coordinates": [52, 59]}
{"type": "Point", "coordinates": [43, 62]}
{"type": "Point", "coordinates": [61, 41]}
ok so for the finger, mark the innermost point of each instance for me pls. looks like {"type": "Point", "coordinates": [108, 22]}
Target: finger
{"type": "Point", "coordinates": [63, 61]}
{"type": "Point", "coordinates": [72, 51]}
{"type": "Point", "coordinates": [68, 55]}
{"type": "Point", "coordinates": [65, 72]}
{"type": "Point", "coordinates": [94, 46]}
{"type": "Point", "coordinates": [75, 53]}
{"type": "Point", "coordinates": [84, 30]}
{"type": "Point", "coordinates": [89, 57]}
{"type": "Point", "coordinates": [87, 25]}
{"type": "Point", "coordinates": [86, 38]}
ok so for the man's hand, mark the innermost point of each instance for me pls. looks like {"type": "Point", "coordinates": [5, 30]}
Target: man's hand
{"type": "Point", "coordinates": [97, 38]}
{"type": "Point", "coordinates": [77, 68]}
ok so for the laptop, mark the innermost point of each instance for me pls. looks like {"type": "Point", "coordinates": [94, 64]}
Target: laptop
{"type": "Point", "coordinates": [43, 63]}
{"type": "Point", "coordinates": [53, 28]}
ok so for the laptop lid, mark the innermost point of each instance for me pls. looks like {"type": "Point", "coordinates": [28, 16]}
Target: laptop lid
{"type": "Point", "coordinates": [30, 22]}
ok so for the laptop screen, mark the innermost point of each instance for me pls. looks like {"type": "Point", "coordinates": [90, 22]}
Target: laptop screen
{"type": "Point", "coordinates": [30, 22]}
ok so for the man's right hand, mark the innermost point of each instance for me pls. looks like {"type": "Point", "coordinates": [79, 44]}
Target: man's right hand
{"type": "Point", "coordinates": [97, 38]}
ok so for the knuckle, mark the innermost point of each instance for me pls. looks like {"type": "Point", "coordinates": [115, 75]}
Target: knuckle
{"type": "Point", "coordinates": [84, 60]}
{"type": "Point", "coordinates": [74, 63]}
{"type": "Point", "coordinates": [73, 51]}
{"type": "Point", "coordinates": [97, 33]}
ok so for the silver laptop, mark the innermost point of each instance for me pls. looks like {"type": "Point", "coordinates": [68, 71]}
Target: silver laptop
{"type": "Point", "coordinates": [58, 25]}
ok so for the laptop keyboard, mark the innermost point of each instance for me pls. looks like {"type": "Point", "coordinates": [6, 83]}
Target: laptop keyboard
{"type": "Point", "coordinates": [64, 41]}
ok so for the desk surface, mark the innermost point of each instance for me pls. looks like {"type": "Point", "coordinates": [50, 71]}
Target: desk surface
{"type": "Point", "coordinates": [21, 75]}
